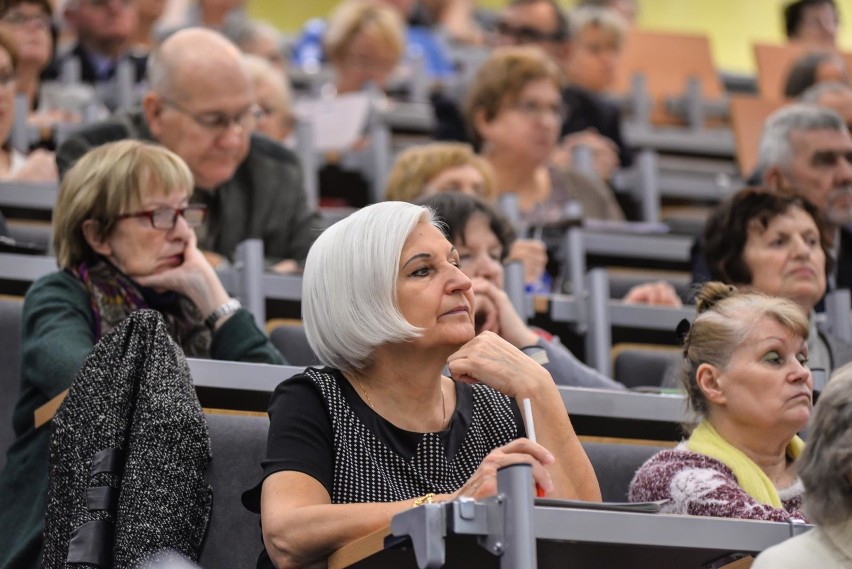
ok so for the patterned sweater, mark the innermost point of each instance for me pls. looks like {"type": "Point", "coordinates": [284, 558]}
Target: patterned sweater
{"type": "Point", "coordinates": [698, 485]}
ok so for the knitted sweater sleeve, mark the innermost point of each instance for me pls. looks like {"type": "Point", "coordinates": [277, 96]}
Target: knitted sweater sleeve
{"type": "Point", "coordinates": [698, 485]}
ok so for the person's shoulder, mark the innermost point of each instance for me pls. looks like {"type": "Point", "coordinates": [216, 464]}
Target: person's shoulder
{"type": "Point", "coordinates": [266, 148]}
{"type": "Point", "coordinates": [119, 126]}
{"type": "Point", "coordinates": [800, 552]}
{"type": "Point", "coordinates": [59, 286]}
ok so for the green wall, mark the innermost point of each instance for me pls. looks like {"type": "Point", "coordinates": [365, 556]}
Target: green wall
{"type": "Point", "coordinates": [732, 25]}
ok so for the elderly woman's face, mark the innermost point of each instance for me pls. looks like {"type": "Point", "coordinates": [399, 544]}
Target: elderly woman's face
{"type": "Point", "coordinates": [786, 259]}
{"type": "Point", "coordinates": [464, 179]}
{"type": "Point", "coordinates": [139, 249]}
{"type": "Point", "coordinates": [432, 292]}
{"type": "Point", "coordinates": [529, 127]}
{"type": "Point", "coordinates": [367, 59]}
{"type": "Point", "coordinates": [481, 251]}
{"type": "Point", "coordinates": [29, 27]}
{"type": "Point", "coordinates": [766, 383]}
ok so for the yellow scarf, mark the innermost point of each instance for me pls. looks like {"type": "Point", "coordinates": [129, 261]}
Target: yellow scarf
{"type": "Point", "coordinates": [705, 440]}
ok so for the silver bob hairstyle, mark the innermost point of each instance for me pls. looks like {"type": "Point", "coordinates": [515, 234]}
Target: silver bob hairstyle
{"type": "Point", "coordinates": [776, 148]}
{"type": "Point", "coordinates": [825, 467]}
{"type": "Point", "coordinates": [349, 302]}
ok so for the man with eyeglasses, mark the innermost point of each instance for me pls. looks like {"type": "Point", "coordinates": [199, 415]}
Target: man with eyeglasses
{"type": "Point", "coordinates": [104, 29]}
{"type": "Point", "coordinates": [201, 106]}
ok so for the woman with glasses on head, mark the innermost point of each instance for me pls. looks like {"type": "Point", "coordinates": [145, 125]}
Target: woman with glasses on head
{"type": "Point", "coordinates": [514, 110]}
{"type": "Point", "coordinates": [123, 233]}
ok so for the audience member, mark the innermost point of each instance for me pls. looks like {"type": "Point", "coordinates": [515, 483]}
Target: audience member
{"type": "Point", "coordinates": [831, 95]}
{"type": "Point", "coordinates": [201, 107]}
{"type": "Point", "coordinates": [262, 39]}
{"type": "Point", "coordinates": [148, 15]}
{"type": "Point", "coordinates": [439, 167]}
{"type": "Point", "coordinates": [514, 110]}
{"type": "Point", "coordinates": [627, 9]}
{"type": "Point", "coordinates": [812, 22]}
{"type": "Point", "coordinates": [483, 239]}
{"type": "Point", "coordinates": [38, 165]}
{"type": "Point", "coordinates": [825, 468]}
{"type": "Point", "coordinates": [590, 119]}
{"type": "Point", "coordinates": [103, 30]}
{"type": "Point", "coordinates": [28, 24]}
{"type": "Point", "coordinates": [778, 244]}
{"type": "Point", "coordinates": [746, 378]}
{"type": "Point", "coordinates": [456, 19]}
{"type": "Point", "coordinates": [363, 43]}
{"type": "Point", "coordinates": [808, 150]}
{"type": "Point", "coordinates": [597, 37]}
{"type": "Point", "coordinates": [321, 489]}
{"type": "Point", "coordinates": [124, 241]}
{"type": "Point", "coordinates": [814, 68]}
{"type": "Point", "coordinates": [273, 96]}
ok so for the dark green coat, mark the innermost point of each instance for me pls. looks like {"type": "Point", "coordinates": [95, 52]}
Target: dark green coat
{"type": "Point", "coordinates": [58, 334]}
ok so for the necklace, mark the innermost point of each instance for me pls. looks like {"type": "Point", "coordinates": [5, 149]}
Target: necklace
{"type": "Point", "coordinates": [373, 407]}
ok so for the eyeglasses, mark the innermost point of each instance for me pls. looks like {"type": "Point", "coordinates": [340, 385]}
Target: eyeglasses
{"type": "Point", "coordinates": [166, 217]}
{"type": "Point", "coordinates": [533, 110]}
{"type": "Point", "coordinates": [526, 34]}
{"type": "Point", "coordinates": [20, 19]}
{"type": "Point", "coordinates": [104, 3]}
{"type": "Point", "coordinates": [218, 123]}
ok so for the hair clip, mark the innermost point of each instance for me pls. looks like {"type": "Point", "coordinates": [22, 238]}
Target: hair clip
{"type": "Point", "coordinates": [682, 330]}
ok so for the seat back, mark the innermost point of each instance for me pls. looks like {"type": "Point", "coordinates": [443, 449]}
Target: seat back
{"type": "Point", "coordinates": [637, 365]}
{"type": "Point", "coordinates": [292, 342]}
{"type": "Point", "coordinates": [238, 445]}
{"type": "Point", "coordinates": [615, 464]}
{"type": "Point", "coordinates": [10, 369]}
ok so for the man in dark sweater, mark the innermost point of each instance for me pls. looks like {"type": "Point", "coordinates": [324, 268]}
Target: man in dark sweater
{"type": "Point", "coordinates": [201, 106]}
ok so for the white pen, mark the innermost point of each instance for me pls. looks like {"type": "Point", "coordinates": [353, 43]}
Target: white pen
{"type": "Point", "coordinates": [530, 426]}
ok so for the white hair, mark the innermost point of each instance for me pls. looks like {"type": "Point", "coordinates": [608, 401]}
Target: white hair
{"type": "Point", "coordinates": [349, 302]}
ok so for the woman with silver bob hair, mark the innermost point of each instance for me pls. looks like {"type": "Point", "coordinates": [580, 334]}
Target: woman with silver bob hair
{"type": "Point", "coordinates": [381, 429]}
{"type": "Point", "coordinates": [826, 472]}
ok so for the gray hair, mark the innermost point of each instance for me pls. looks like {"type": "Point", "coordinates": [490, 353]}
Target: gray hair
{"type": "Point", "coordinates": [599, 17]}
{"type": "Point", "coordinates": [776, 148]}
{"type": "Point", "coordinates": [815, 93]}
{"type": "Point", "coordinates": [349, 302]}
{"type": "Point", "coordinates": [825, 467]}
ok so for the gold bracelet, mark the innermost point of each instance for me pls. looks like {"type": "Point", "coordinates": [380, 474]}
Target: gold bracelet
{"type": "Point", "coordinates": [427, 499]}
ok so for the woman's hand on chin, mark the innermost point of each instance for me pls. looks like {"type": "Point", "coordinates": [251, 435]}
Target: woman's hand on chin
{"type": "Point", "coordinates": [491, 360]}
{"type": "Point", "coordinates": [193, 278]}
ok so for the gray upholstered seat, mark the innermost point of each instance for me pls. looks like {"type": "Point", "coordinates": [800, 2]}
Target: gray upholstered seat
{"type": "Point", "coordinates": [10, 369]}
{"type": "Point", "coordinates": [238, 445]}
{"type": "Point", "coordinates": [615, 464]}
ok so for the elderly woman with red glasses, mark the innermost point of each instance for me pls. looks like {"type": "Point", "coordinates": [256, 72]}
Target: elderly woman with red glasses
{"type": "Point", "coordinates": [124, 239]}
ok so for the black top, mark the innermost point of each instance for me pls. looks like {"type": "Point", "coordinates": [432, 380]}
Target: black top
{"type": "Point", "coordinates": [321, 427]}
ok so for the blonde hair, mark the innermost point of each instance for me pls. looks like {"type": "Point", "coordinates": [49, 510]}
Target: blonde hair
{"type": "Point", "coordinates": [356, 16]}
{"type": "Point", "coordinates": [501, 79]}
{"type": "Point", "coordinates": [106, 182]}
{"type": "Point", "coordinates": [415, 167]}
{"type": "Point", "coordinates": [724, 317]}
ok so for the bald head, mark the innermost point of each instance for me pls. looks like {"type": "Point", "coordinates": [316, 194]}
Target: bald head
{"type": "Point", "coordinates": [192, 53]}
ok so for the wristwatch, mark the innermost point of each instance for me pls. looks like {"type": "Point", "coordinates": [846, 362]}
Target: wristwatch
{"type": "Point", "coordinates": [231, 306]}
